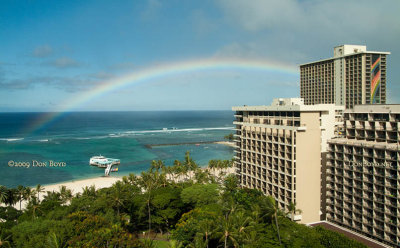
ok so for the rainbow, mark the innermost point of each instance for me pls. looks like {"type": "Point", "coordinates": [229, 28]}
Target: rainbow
{"type": "Point", "coordinates": [375, 83]}
{"type": "Point", "coordinates": [151, 74]}
{"type": "Point", "coordinates": [376, 64]}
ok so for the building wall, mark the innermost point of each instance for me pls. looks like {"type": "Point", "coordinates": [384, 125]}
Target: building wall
{"type": "Point", "coordinates": [363, 173]}
{"type": "Point", "coordinates": [278, 151]}
{"type": "Point", "coordinates": [308, 168]}
{"type": "Point", "coordinates": [264, 162]}
{"type": "Point", "coordinates": [370, 73]}
{"type": "Point", "coordinates": [339, 81]}
{"type": "Point", "coordinates": [354, 78]}
{"type": "Point", "coordinates": [317, 83]}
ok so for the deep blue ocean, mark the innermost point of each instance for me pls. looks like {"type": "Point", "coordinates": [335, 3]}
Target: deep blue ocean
{"type": "Point", "coordinates": [75, 137]}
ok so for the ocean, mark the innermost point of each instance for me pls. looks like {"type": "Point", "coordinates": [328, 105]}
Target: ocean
{"type": "Point", "coordinates": [68, 143]}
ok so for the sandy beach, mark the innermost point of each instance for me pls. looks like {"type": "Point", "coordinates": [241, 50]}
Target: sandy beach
{"type": "Point", "coordinates": [78, 185]}
{"type": "Point", "coordinates": [227, 143]}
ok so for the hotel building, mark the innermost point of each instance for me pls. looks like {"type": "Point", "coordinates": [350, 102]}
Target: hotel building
{"type": "Point", "coordinates": [278, 151]}
{"type": "Point", "coordinates": [353, 76]}
{"type": "Point", "coordinates": [363, 173]}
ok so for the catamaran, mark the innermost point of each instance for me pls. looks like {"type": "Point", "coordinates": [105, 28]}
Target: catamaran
{"type": "Point", "coordinates": [103, 162]}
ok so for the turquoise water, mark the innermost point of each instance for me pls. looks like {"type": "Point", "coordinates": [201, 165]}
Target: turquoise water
{"type": "Point", "coordinates": [76, 137]}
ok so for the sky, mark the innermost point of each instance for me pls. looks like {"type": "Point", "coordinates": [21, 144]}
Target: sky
{"type": "Point", "coordinates": [55, 52]}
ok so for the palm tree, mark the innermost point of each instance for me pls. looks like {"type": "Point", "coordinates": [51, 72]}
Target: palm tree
{"type": "Point", "coordinates": [273, 211]}
{"type": "Point", "coordinates": [149, 181]}
{"type": "Point", "coordinates": [34, 207]}
{"type": "Point", "coordinates": [3, 194]}
{"type": "Point", "coordinates": [202, 176]}
{"type": "Point", "coordinates": [28, 194]}
{"type": "Point", "coordinates": [53, 241]}
{"type": "Point", "coordinates": [293, 210]}
{"type": "Point", "coordinates": [66, 194]}
{"type": "Point", "coordinates": [39, 189]}
{"type": "Point", "coordinates": [5, 242]}
{"type": "Point", "coordinates": [118, 195]}
{"type": "Point", "coordinates": [178, 168]}
{"type": "Point", "coordinates": [189, 163]}
{"type": "Point", "coordinates": [52, 196]}
{"type": "Point", "coordinates": [243, 223]}
{"type": "Point", "coordinates": [89, 191]}
{"type": "Point", "coordinates": [206, 228]}
{"type": "Point", "coordinates": [21, 193]}
{"type": "Point", "coordinates": [12, 197]}
{"type": "Point", "coordinates": [226, 229]}
{"type": "Point", "coordinates": [132, 179]}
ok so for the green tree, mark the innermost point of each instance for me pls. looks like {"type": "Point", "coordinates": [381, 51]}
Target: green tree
{"type": "Point", "coordinates": [227, 229]}
{"type": "Point", "coordinates": [53, 241]}
{"type": "Point", "coordinates": [11, 197]}
{"type": "Point", "coordinates": [203, 176]}
{"type": "Point", "coordinates": [118, 196]}
{"type": "Point", "coordinates": [272, 210]}
{"type": "Point", "coordinates": [200, 194]}
{"type": "Point", "coordinates": [35, 234]}
{"type": "Point", "coordinates": [28, 194]}
{"type": "Point", "coordinates": [150, 181]}
{"type": "Point", "coordinates": [5, 242]}
{"type": "Point", "coordinates": [331, 239]}
{"type": "Point", "coordinates": [65, 194]}
{"type": "Point", "coordinates": [3, 194]}
{"type": "Point", "coordinates": [89, 191]}
{"type": "Point", "coordinates": [166, 205]}
{"type": "Point", "coordinates": [21, 193]}
{"type": "Point", "coordinates": [206, 229]}
{"type": "Point", "coordinates": [39, 189]}
{"type": "Point", "coordinates": [34, 207]}
{"type": "Point", "coordinates": [293, 210]}
{"type": "Point", "coordinates": [189, 164]}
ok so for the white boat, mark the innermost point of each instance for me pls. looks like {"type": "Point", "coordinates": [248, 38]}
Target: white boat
{"type": "Point", "coordinates": [103, 162]}
{"type": "Point", "coordinates": [95, 160]}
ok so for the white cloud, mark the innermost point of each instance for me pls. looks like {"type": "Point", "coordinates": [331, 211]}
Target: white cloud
{"type": "Point", "coordinates": [42, 51]}
{"type": "Point", "coordinates": [102, 75]}
{"type": "Point", "coordinates": [296, 31]}
{"type": "Point", "coordinates": [64, 62]}
{"type": "Point", "coordinates": [312, 15]}
{"type": "Point", "coordinates": [259, 49]}
{"type": "Point", "coordinates": [256, 15]}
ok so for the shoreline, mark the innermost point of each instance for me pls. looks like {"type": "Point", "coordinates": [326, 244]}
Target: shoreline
{"type": "Point", "coordinates": [226, 143]}
{"type": "Point", "coordinates": [76, 186]}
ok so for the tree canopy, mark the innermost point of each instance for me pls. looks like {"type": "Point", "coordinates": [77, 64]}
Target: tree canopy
{"type": "Point", "coordinates": [181, 204]}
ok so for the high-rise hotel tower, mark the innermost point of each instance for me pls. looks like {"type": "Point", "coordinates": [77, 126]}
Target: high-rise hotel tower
{"type": "Point", "coordinates": [363, 173]}
{"type": "Point", "coordinates": [279, 149]}
{"type": "Point", "coordinates": [353, 76]}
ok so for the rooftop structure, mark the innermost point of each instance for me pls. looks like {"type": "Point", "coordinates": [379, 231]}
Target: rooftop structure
{"type": "Point", "coordinates": [352, 76]}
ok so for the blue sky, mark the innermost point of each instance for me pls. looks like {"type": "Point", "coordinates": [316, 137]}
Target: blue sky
{"type": "Point", "coordinates": [53, 51]}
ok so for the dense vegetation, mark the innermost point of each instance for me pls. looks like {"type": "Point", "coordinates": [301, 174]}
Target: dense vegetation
{"type": "Point", "coordinates": [196, 209]}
